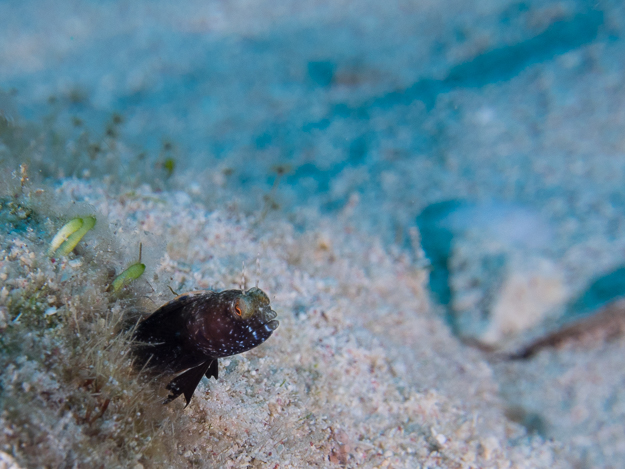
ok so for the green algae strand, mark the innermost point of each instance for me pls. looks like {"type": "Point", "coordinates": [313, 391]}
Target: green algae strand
{"type": "Point", "coordinates": [131, 273]}
{"type": "Point", "coordinates": [72, 241]}
{"type": "Point", "coordinates": [64, 233]}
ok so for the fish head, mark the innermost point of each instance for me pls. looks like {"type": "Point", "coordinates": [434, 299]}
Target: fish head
{"type": "Point", "coordinates": [234, 321]}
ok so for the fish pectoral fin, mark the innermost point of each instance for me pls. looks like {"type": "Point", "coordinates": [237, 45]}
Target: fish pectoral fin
{"type": "Point", "coordinates": [213, 370]}
{"type": "Point", "coordinates": [186, 383]}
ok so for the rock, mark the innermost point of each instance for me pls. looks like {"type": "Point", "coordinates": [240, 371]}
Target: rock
{"type": "Point", "coordinates": [524, 300]}
{"type": "Point", "coordinates": [491, 272]}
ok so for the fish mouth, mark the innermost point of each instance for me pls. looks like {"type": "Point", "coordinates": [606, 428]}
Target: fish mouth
{"type": "Point", "coordinates": [268, 317]}
{"type": "Point", "coordinates": [267, 314]}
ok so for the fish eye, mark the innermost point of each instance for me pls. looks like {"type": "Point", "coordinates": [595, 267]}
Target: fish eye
{"type": "Point", "coordinates": [240, 309]}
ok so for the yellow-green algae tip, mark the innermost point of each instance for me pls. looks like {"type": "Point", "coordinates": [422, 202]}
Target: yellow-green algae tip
{"type": "Point", "coordinates": [68, 229]}
{"type": "Point", "coordinates": [131, 273]}
{"type": "Point", "coordinates": [79, 230]}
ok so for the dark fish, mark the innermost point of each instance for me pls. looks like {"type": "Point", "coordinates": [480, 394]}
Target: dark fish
{"type": "Point", "coordinates": [189, 334]}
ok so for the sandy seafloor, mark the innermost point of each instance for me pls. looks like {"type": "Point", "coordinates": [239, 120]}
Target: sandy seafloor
{"type": "Point", "coordinates": [404, 179]}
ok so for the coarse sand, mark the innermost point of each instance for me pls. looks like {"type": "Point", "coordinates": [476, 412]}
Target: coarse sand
{"type": "Point", "coordinates": [360, 373]}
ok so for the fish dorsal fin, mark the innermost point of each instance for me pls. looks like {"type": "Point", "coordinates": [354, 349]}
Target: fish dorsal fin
{"type": "Point", "coordinates": [186, 382]}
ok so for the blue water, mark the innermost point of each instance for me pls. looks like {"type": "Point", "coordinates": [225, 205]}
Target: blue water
{"type": "Point", "coordinates": [405, 107]}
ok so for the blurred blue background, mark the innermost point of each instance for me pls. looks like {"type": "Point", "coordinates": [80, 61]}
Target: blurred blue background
{"type": "Point", "coordinates": [451, 117]}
